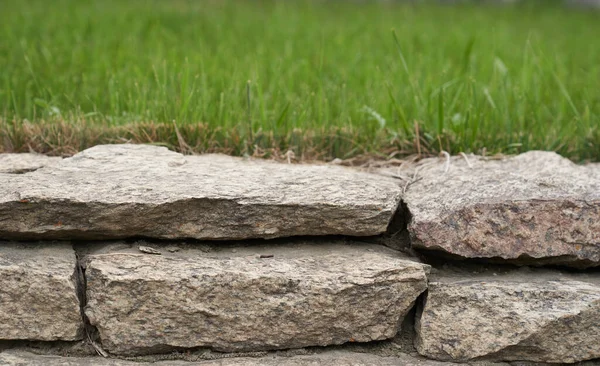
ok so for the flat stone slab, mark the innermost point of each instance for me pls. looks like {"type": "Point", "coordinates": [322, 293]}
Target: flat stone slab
{"type": "Point", "coordinates": [536, 207]}
{"type": "Point", "coordinates": [248, 298]}
{"type": "Point", "coordinates": [532, 315]}
{"type": "Point", "coordinates": [329, 358]}
{"type": "Point", "coordinates": [38, 292]}
{"type": "Point", "coordinates": [118, 191]}
{"type": "Point", "coordinates": [24, 163]}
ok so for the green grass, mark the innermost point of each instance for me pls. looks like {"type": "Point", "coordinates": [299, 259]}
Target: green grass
{"type": "Point", "coordinates": [325, 79]}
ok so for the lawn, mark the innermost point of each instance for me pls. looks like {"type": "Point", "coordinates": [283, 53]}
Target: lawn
{"type": "Point", "coordinates": [325, 79]}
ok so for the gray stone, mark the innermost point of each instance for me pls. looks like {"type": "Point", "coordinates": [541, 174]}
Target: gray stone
{"type": "Point", "coordinates": [330, 358]}
{"type": "Point", "coordinates": [117, 191]}
{"type": "Point", "coordinates": [530, 315]}
{"type": "Point", "coordinates": [536, 208]}
{"type": "Point", "coordinates": [584, 3]}
{"type": "Point", "coordinates": [38, 294]}
{"type": "Point", "coordinates": [258, 298]}
{"type": "Point", "coordinates": [23, 163]}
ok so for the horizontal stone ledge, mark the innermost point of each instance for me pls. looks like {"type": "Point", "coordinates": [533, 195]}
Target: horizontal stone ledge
{"type": "Point", "coordinates": [38, 292]}
{"type": "Point", "coordinates": [515, 315]}
{"type": "Point", "coordinates": [535, 208]}
{"type": "Point", "coordinates": [328, 358]}
{"type": "Point", "coordinates": [255, 298]}
{"type": "Point", "coordinates": [118, 191]}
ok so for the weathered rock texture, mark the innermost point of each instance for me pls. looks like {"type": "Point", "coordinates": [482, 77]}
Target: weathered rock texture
{"type": "Point", "coordinates": [519, 315]}
{"type": "Point", "coordinates": [23, 163]}
{"type": "Point", "coordinates": [537, 207]}
{"type": "Point", "coordinates": [335, 358]}
{"type": "Point", "coordinates": [305, 295]}
{"type": "Point", "coordinates": [116, 191]}
{"type": "Point", "coordinates": [38, 292]}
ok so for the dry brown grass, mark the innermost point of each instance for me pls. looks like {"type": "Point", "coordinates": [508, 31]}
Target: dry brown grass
{"type": "Point", "coordinates": [65, 138]}
{"type": "Point", "coordinates": [350, 147]}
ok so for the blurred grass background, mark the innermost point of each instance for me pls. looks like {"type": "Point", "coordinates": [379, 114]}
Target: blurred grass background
{"type": "Point", "coordinates": [324, 79]}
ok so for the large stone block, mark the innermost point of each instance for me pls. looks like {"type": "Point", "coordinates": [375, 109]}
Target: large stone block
{"type": "Point", "coordinates": [38, 292]}
{"type": "Point", "coordinates": [117, 191]}
{"type": "Point", "coordinates": [541, 316]}
{"type": "Point", "coordinates": [296, 295]}
{"type": "Point", "coordinates": [535, 208]}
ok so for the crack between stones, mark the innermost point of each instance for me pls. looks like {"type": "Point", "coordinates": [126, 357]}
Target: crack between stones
{"type": "Point", "coordinates": [90, 332]}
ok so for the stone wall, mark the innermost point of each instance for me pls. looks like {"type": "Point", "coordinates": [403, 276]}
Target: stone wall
{"type": "Point", "coordinates": [129, 253]}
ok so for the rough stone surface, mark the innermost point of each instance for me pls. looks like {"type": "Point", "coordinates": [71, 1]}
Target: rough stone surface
{"type": "Point", "coordinates": [23, 163]}
{"type": "Point", "coordinates": [531, 315]}
{"type": "Point", "coordinates": [293, 296]}
{"type": "Point", "coordinates": [38, 292]}
{"type": "Point", "coordinates": [536, 207]}
{"type": "Point", "coordinates": [331, 358]}
{"type": "Point", "coordinates": [117, 191]}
